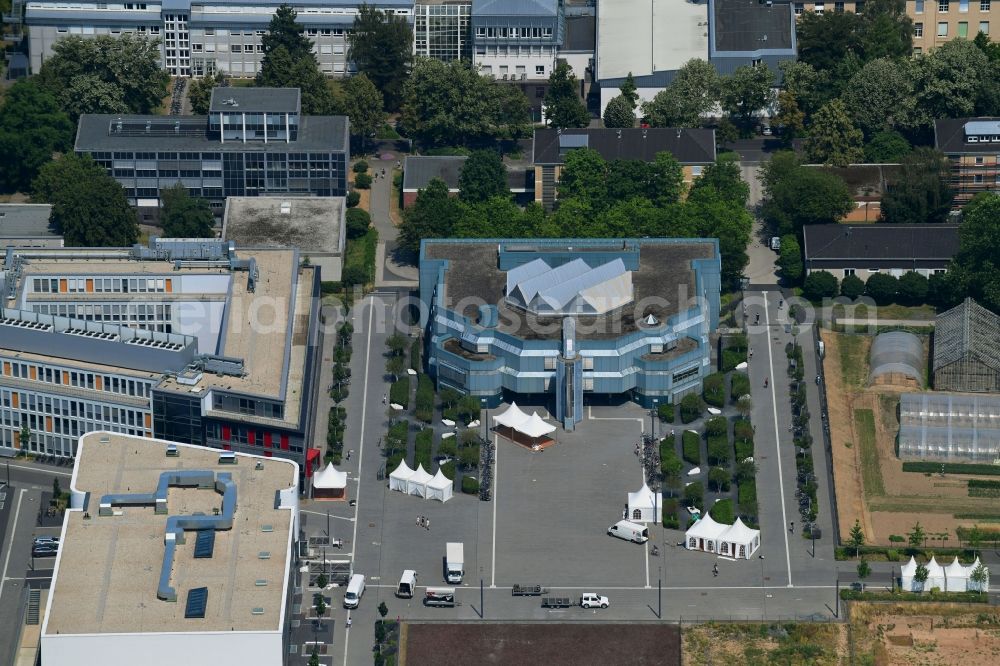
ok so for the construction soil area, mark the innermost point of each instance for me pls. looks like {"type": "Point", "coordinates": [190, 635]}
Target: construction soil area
{"type": "Point", "coordinates": [924, 634]}
{"type": "Point", "coordinates": [816, 644]}
{"type": "Point", "coordinates": [544, 643]}
{"type": "Point", "coordinates": [869, 480]}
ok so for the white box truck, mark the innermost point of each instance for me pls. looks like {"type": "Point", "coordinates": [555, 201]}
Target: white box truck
{"type": "Point", "coordinates": [454, 562]}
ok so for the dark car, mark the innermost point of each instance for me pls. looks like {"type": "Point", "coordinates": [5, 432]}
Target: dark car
{"type": "Point", "coordinates": [45, 550]}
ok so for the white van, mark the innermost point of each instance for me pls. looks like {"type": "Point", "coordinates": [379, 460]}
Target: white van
{"type": "Point", "coordinates": [629, 531]}
{"type": "Point", "coordinates": [355, 589]}
{"type": "Point", "coordinates": [407, 584]}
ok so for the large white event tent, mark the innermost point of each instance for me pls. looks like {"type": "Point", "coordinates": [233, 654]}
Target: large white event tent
{"type": "Point", "coordinates": [418, 482]}
{"type": "Point", "coordinates": [955, 577]}
{"type": "Point", "coordinates": [644, 506]}
{"type": "Point", "coordinates": [736, 540]}
{"type": "Point", "coordinates": [330, 484]}
{"type": "Point", "coordinates": [532, 427]}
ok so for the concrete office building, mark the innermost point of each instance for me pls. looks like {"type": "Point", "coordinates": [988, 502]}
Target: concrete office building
{"type": "Point", "coordinates": [517, 40]}
{"type": "Point", "coordinates": [560, 320]}
{"type": "Point", "coordinates": [169, 549]}
{"type": "Point", "coordinates": [190, 340]}
{"type": "Point", "coordinates": [934, 21]}
{"type": "Point", "coordinates": [199, 39]}
{"type": "Point", "coordinates": [255, 141]}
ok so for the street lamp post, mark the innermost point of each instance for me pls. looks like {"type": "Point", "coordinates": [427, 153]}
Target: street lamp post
{"type": "Point", "coordinates": [652, 418]}
{"type": "Point", "coordinates": [763, 592]}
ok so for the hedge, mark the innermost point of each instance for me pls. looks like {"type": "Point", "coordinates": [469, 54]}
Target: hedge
{"type": "Point", "coordinates": [718, 450]}
{"type": "Point", "coordinates": [399, 392]}
{"type": "Point", "coordinates": [666, 412]}
{"type": "Point", "coordinates": [936, 597]}
{"type": "Point", "coordinates": [718, 479]}
{"type": "Point", "coordinates": [879, 553]}
{"type": "Point", "coordinates": [714, 390]}
{"type": "Point", "coordinates": [424, 403]}
{"type": "Point", "coordinates": [717, 425]}
{"type": "Point", "coordinates": [415, 350]}
{"type": "Point", "coordinates": [448, 469]}
{"type": "Point", "coordinates": [670, 519]}
{"type": "Point", "coordinates": [744, 449]}
{"type": "Point", "coordinates": [395, 440]}
{"type": "Point", "coordinates": [690, 408]}
{"type": "Point", "coordinates": [740, 385]}
{"type": "Point", "coordinates": [984, 483]}
{"type": "Point", "coordinates": [470, 486]}
{"type": "Point", "coordinates": [422, 448]}
{"type": "Point", "coordinates": [691, 447]}
{"type": "Point", "coordinates": [694, 495]}
{"type": "Point", "coordinates": [722, 512]}
{"type": "Point", "coordinates": [747, 498]}
{"type": "Point", "coordinates": [985, 469]}
{"type": "Point", "coordinates": [448, 447]}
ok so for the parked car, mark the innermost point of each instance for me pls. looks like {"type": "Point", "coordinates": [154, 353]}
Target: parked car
{"type": "Point", "coordinates": [47, 540]}
{"type": "Point", "coordinates": [45, 550]}
{"type": "Point", "coordinates": [593, 600]}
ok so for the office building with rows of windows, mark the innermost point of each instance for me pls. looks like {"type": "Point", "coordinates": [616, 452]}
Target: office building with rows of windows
{"type": "Point", "coordinates": [517, 40]}
{"type": "Point", "coordinates": [191, 340]}
{"type": "Point", "coordinates": [255, 141]}
{"type": "Point", "coordinates": [558, 321]}
{"type": "Point", "coordinates": [197, 38]}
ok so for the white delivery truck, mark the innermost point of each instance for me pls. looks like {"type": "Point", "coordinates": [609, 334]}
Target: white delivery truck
{"type": "Point", "coordinates": [454, 562]}
{"type": "Point", "coordinates": [355, 590]}
{"type": "Point", "coordinates": [625, 529]}
{"type": "Point", "coordinates": [407, 584]}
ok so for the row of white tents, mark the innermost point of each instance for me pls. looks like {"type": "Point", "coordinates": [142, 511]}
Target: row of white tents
{"type": "Point", "coordinates": [736, 540]}
{"type": "Point", "coordinates": [532, 426]}
{"type": "Point", "coordinates": [420, 483]}
{"type": "Point", "coordinates": [955, 577]}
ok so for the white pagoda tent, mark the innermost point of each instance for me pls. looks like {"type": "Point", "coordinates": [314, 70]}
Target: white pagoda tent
{"type": "Point", "coordinates": [399, 476]}
{"type": "Point", "coordinates": [330, 484]}
{"type": "Point", "coordinates": [736, 540]}
{"type": "Point", "coordinates": [907, 573]}
{"type": "Point", "coordinates": [512, 417]}
{"type": "Point", "coordinates": [935, 576]}
{"type": "Point", "coordinates": [644, 506]}
{"type": "Point", "coordinates": [526, 430]}
{"type": "Point", "coordinates": [440, 487]}
{"type": "Point", "coordinates": [417, 483]}
{"type": "Point", "coordinates": [956, 577]}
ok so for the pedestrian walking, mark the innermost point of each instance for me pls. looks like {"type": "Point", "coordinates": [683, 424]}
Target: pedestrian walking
{"type": "Point", "coordinates": [348, 621]}
{"type": "Point", "coordinates": [383, 398]}
{"type": "Point", "coordinates": [427, 524]}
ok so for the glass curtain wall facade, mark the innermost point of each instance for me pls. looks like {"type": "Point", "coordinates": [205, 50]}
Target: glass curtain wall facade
{"type": "Point", "coordinates": [443, 31]}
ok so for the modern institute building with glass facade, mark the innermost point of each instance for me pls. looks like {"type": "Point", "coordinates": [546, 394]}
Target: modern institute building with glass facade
{"type": "Point", "coordinates": [255, 141]}
{"type": "Point", "coordinates": [561, 320]}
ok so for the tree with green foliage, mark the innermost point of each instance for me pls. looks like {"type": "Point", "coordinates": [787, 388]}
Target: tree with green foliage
{"type": "Point", "coordinates": [619, 113]}
{"type": "Point", "coordinates": [584, 176]}
{"type": "Point", "coordinates": [364, 107]}
{"type": "Point", "coordinates": [32, 128]}
{"type": "Point", "coordinates": [921, 192]}
{"type": "Point", "coordinates": [563, 106]}
{"type": "Point", "coordinates": [434, 214]}
{"type": "Point", "coordinates": [630, 91]}
{"type": "Point", "coordinates": [857, 537]}
{"type": "Point", "coordinates": [852, 286]}
{"type": "Point", "coordinates": [200, 92]}
{"type": "Point", "coordinates": [912, 288]}
{"type": "Point", "coordinates": [184, 216]}
{"type": "Point", "coordinates": [826, 39]}
{"type": "Point", "coordinates": [24, 436]}
{"type": "Point", "coordinates": [789, 119]}
{"type": "Point", "coordinates": [882, 288]}
{"type": "Point", "coordinates": [690, 407]}
{"type": "Point", "coordinates": [880, 96]}
{"type": "Point", "coordinates": [724, 177]}
{"type": "Point", "coordinates": [319, 605]}
{"type": "Point", "coordinates": [989, 48]}
{"type": "Point", "coordinates": [886, 30]}
{"type": "Point", "coordinates": [833, 139]}
{"type": "Point", "coordinates": [806, 84]}
{"type": "Point", "coordinates": [692, 94]}
{"type": "Point", "coordinates": [949, 82]}
{"type": "Point", "coordinates": [796, 195]}
{"type": "Point", "coordinates": [819, 285]}
{"type": "Point", "coordinates": [483, 176]}
{"type": "Point", "coordinates": [381, 46]}
{"type": "Point", "coordinates": [89, 207]}
{"type": "Point", "coordinates": [383, 610]}
{"type": "Point", "coordinates": [887, 147]}
{"type": "Point", "coordinates": [358, 222]}
{"type": "Point", "coordinates": [322, 581]}
{"type": "Point", "coordinates": [105, 74]}
{"type": "Point", "coordinates": [980, 574]}
{"type": "Point", "coordinates": [864, 570]}
{"type": "Point", "coordinates": [450, 104]}
{"type": "Point", "coordinates": [289, 62]}
{"type": "Point", "coordinates": [975, 269]}
{"type": "Point", "coordinates": [746, 92]}
{"type": "Point", "coordinates": [790, 259]}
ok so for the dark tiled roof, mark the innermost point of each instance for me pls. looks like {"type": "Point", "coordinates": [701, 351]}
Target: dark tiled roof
{"type": "Point", "coordinates": [581, 34]}
{"type": "Point", "coordinates": [324, 133]}
{"type": "Point", "coordinates": [273, 100]}
{"type": "Point", "coordinates": [949, 137]}
{"type": "Point", "coordinates": [418, 171]}
{"type": "Point", "coordinates": [688, 146]}
{"type": "Point", "coordinates": [830, 243]}
{"type": "Point", "coordinates": [751, 25]}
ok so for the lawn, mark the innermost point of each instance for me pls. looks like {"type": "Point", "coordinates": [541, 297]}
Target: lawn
{"type": "Point", "coordinates": [853, 364]}
{"type": "Point", "coordinates": [871, 472]}
{"type": "Point", "coordinates": [360, 255]}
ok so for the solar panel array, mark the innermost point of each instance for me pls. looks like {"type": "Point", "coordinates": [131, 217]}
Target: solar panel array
{"type": "Point", "coordinates": [196, 602]}
{"type": "Point", "coordinates": [205, 544]}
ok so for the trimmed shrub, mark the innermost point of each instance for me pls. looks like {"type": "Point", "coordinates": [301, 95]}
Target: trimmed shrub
{"type": "Point", "coordinates": [468, 456]}
{"type": "Point", "coordinates": [448, 447]}
{"type": "Point", "coordinates": [416, 349]}
{"type": "Point", "coordinates": [882, 288]}
{"type": "Point", "coordinates": [424, 403]}
{"type": "Point", "coordinates": [690, 408]}
{"type": "Point", "coordinates": [399, 392]}
{"type": "Point", "coordinates": [743, 429]}
{"type": "Point", "coordinates": [740, 385]}
{"type": "Point", "coordinates": [819, 285]}
{"type": "Point", "coordinates": [422, 448]}
{"type": "Point", "coordinates": [747, 498]}
{"type": "Point", "coordinates": [718, 479]}
{"type": "Point", "coordinates": [691, 447]}
{"type": "Point", "coordinates": [694, 495]}
{"type": "Point", "coordinates": [353, 198]}
{"type": "Point", "coordinates": [912, 288]}
{"type": "Point", "coordinates": [360, 166]}
{"type": "Point", "coordinates": [448, 469]}
{"type": "Point", "coordinates": [714, 390]}
{"type": "Point", "coordinates": [722, 512]}
{"type": "Point", "coordinates": [670, 465]}
{"type": "Point", "coordinates": [358, 221]}
{"type": "Point", "coordinates": [665, 412]}
{"type": "Point", "coordinates": [718, 450]}
{"type": "Point", "coordinates": [984, 469]}
{"type": "Point", "coordinates": [852, 286]}
{"type": "Point", "coordinates": [362, 181]}
{"type": "Point", "coordinates": [470, 486]}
